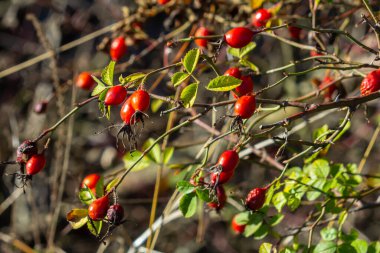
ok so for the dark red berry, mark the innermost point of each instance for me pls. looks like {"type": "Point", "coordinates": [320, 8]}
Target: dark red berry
{"type": "Point", "coordinates": [40, 107]}
{"type": "Point", "coordinates": [35, 164]}
{"type": "Point", "coordinates": [245, 88]}
{"type": "Point", "coordinates": [328, 92]}
{"type": "Point", "coordinates": [235, 72]}
{"type": "Point", "coordinates": [162, 2]}
{"type": "Point", "coordinates": [237, 228]}
{"type": "Point", "coordinates": [85, 81]}
{"type": "Point", "coordinates": [118, 48]}
{"type": "Point", "coordinates": [115, 95]}
{"type": "Point", "coordinates": [228, 160]}
{"type": "Point", "coordinates": [238, 37]}
{"type": "Point", "coordinates": [127, 112]}
{"type": "Point", "coordinates": [26, 149]}
{"type": "Point", "coordinates": [200, 32]}
{"type": "Point", "coordinates": [245, 106]}
{"type": "Point", "coordinates": [371, 83]}
{"type": "Point", "coordinates": [97, 210]}
{"type": "Point", "coordinates": [222, 177]}
{"type": "Point", "coordinates": [295, 32]}
{"type": "Point", "coordinates": [115, 214]}
{"type": "Point", "coordinates": [140, 100]}
{"type": "Point", "coordinates": [221, 198]}
{"type": "Point", "coordinates": [91, 180]}
{"type": "Point", "coordinates": [255, 199]}
{"type": "Point", "coordinates": [261, 17]}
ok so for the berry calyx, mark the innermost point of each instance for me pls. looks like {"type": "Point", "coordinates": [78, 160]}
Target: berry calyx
{"type": "Point", "coordinates": [97, 210]}
{"type": "Point", "coordinates": [235, 72]}
{"type": "Point", "coordinates": [26, 149]}
{"type": "Point", "coordinates": [371, 83]}
{"type": "Point", "coordinates": [237, 228]}
{"type": "Point", "coordinates": [118, 48]}
{"type": "Point", "coordinates": [238, 37]}
{"type": "Point", "coordinates": [245, 106]}
{"type": "Point", "coordinates": [221, 198]}
{"type": "Point", "coordinates": [35, 164]}
{"type": "Point", "coordinates": [221, 178]}
{"type": "Point", "coordinates": [261, 17]}
{"type": "Point", "coordinates": [228, 160]}
{"type": "Point", "coordinates": [245, 88]}
{"type": "Point", "coordinates": [85, 81]}
{"type": "Point", "coordinates": [127, 112]}
{"type": "Point", "coordinates": [91, 180]}
{"type": "Point", "coordinates": [115, 214]}
{"type": "Point", "coordinates": [200, 32]}
{"type": "Point", "coordinates": [115, 95]}
{"type": "Point", "coordinates": [140, 100]}
{"type": "Point", "coordinates": [255, 199]}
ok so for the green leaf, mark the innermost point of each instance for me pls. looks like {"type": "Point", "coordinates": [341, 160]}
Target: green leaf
{"type": "Point", "coordinates": [94, 227]}
{"type": "Point", "coordinates": [179, 78]}
{"type": "Point", "coordinates": [189, 94]}
{"type": "Point", "coordinates": [185, 187]}
{"type": "Point", "coordinates": [156, 104]}
{"type": "Point", "coordinates": [318, 169]}
{"type": "Point", "coordinates": [223, 83]}
{"type": "Point", "coordinates": [234, 51]}
{"type": "Point", "coordinates": [130, 158]}
{"type": "Point", "coordinates": [77, 217]}
{"type": "Point", "coordinates": [346, 248]}
{"type": "Point", "coordinates": [107, 73]}
{"type": "Point", "coordinates": [342, 219]}
{"type": "Point", "coordinates": [203, 194]}
{"type": "Point", "coordinates": [279, 200]}
{"type": "Point", "coordinates": [168, 153]}
{"type": "Point", "coordinates": [98, 88]}
{"type": "Point", "coordinates": [293, 202]}
{"type": "Point", "coordinates": [99, 188]}
{"type": "Point", "coordinates": [155, 153]}
{"type": "Point", "coordinates": [329, 234]}
{"type": "Point", "coordinates": [102, 95]}
{"type": "Point", "coordinates": [132, 78]}
{"type": "Point", "coordinates": [248, 48]}
{"type": "Point", "coordinates": [374, 247]}
{"type": "Point", "coordinates": [86, 196]}
{"type": "Point", "coordinates": [360, 246]}
{"type": "Point", "coordinates": [265, 248]}
{"type": "Point", "coordinates": [276, 219]}
{"type": "Point", "coordinates": [242, 218]}
{"type": "Point", "coordinates": [253, 225]}
{"type": "Point", "coordinates": [325, 247]}
{"type": "Point", "coordinates": [261, 232]}
{"type": "Point", "coordinates": [112, 184]}
{"type": "Point", "coordinates": [249, 64]}
{"type": "Point", "coordinates": [188, 205]}
{"type": "Point", "coordinates": [317, 183]}
{"type": "Point", "coordinates": [191, 60]}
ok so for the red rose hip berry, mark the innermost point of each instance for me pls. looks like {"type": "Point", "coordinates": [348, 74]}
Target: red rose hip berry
{"type": "Point", "coordinates": [222, 177]}
{"type": "Point", "coordinates": [237, 228]}
{"type": "Point", "coordinates": [115, 95]}
{"type": "Point", "coordinates": [35, 164]}
{"type": "Point", "coordinates": [238, 37]}
{"type": "Point", "coordinates": [97, 210]}
{"type": "Point", "coordinates": [255, 199]}
{"type": "Point", "coordinates": [118, 48]}
{"type": "Point", "coordinates": [91, 180]}
{"type": "Point", "coordinates": [371, 83]}
{"type": "Point", "coordinates": [245, 106]}
{"type": "Point", "coordinates": [202, 31]}
{"type": "Point", "coordinates": [261, 17]}
{"type": "Point", "coordinates": [245, 88]}
{"type": "Point", "coordinates": [140, 100]}
{"type": "Point", "coordinates": [221, 198]}
{"type": "Point", "coordinates": [84, 81]}
{"type": "Point", "coordinates": [229, 160]}
{"type": "Point", "coordinates": [235, 72]}
{"type": "Point", "coordinates": [127, 112]}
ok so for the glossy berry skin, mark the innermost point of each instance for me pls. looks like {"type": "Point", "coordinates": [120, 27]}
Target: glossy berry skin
{"type": "Point", "coordinates": [255, 199]}
{"type": "Point", "coordinates": [229, 160]}
{"type": "Point", "coordinates": [235, 72]}
{"type": "Point", "coordinates": [295, 32]}
{"type": "Point", "coordinates": [115, 214]}
{"type": "Point", "coordinates": [224, 177]}
{"type": "Point", "coordinates": [245, 88]}
{"type": "Point", "coordinates": [118, 48]}
{"type": "Point", "coordinates": [35, 164]}
{"type": "Point", "coordinates": [200, 32]}
{"type": "Point", "coordinates": [91, 180]}
{"type": "Point", "coordinates": [140, 100]}
{"type": "Point", "coordinates": [97, 210]}
{"type": "Point", "coordinates": [27, 148]}
{"type": "Point", "coordinates": [238, 37]}
{"type": "Point", "coordinates": [371, 83]}
{"type": "Point", "coordinates": [127, 111]}
{"type": "Point", "coordinates": [162, 2]}
{"type": "Point", "coordinates": [115, 95]}
{"type": "Point", "coordinates": [261, 17]}
{"type": "Point", "coordinates": [84, 81]}
{"type": "Point", "coordinates": [245, 106]}
{"type": "Point", "coordinates": [221, 196]}
{"type": "Point", "coordinates": [237, 228]}
{"type": "Point", "coordinates": [328, 92]}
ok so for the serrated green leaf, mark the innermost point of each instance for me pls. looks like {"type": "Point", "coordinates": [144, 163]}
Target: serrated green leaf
{"type": "Point", "coordinates": [185, 187]}
{"type": "Point", "coordinates": [102, 95]}
{"type": "Point", "coordinates": [179, 78]}
{"type": "Point", "coordinates": [112, 184]}
{"type": "Point", "coordinates": [155, 153]}
{"type": "Point", "coordinates": [242, 218]}
{"type": "Point", "coordinates": [168, 153]}
{"type": "Point", "coordinates": [317, 183]}
{"type": "Point", "coordinates": [188, 204]}
{"type": "Point", "coordinates": [86, 196]}
{"type": "Point", "coordinates": [77, 217]}
{"type": "Point", "coordinates": [329, 234]}
{"type": "Point", "coordinates": [374, 247]}
{"type": "Point", "coordinates": [248, 48]}
{"type": "Point", "coordinates": [325, 247]}
{"type": "Point", "coordinates": [342, 219]}
{"type": "Point", "coordinates": [265, 248]}
{"type": "Point", "coordinates": [189, 94]}
{"type": "Point", "coordinates": [254, 224]}
{"type": "Point", "coordinates": [360, 246]}
{"type": "Point", "coordinates": [203, 194]}
{"type": "Point", "coordinates": [132, 78]}
{"type": "Point", "coordinates": [94, 227]}
{"type": "Point", "coordinates": [234, 51]}
{"type": "Point", "coordinates": [99, 88]}
{"type": "Point", "coordinates": [131, 157]}
{"type": "Point", "coordinates": [99, 188]}
{"type": "Point", "coordinates": [262, 232]}
{"type": "Point", "coordinates": [107, 73]}
{"type": "Point", "coordinates": [249, 64]}
{"type": "Point", "coordinates": [223, 83]}
{"type": "Point", "coordinates": [191, 60]}
{"type": "Point", "coordinates": [276, 219]}
{"type": "Point", "coordinates": [318, 169]}
{"type": "Point", "coordinates": [279, 200]}
{"type": "Point", "coordinates": [293, 202]}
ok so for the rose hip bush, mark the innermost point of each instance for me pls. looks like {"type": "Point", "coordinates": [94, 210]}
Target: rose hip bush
{"type": "Point", "coordinates": [276, 153]}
